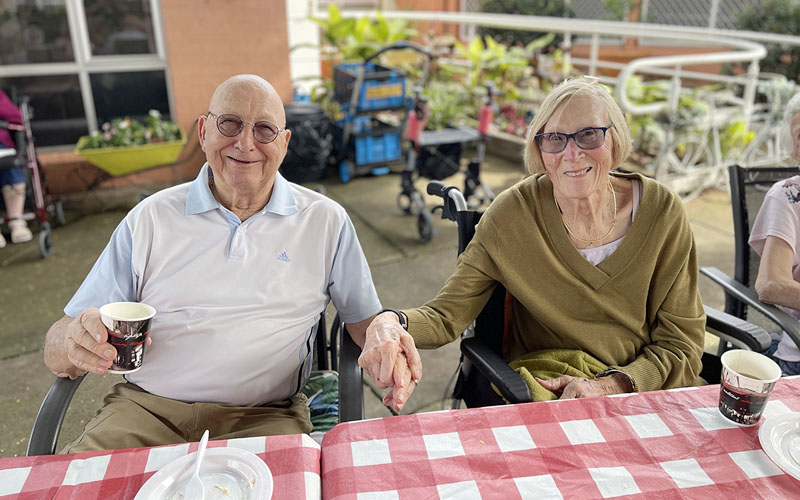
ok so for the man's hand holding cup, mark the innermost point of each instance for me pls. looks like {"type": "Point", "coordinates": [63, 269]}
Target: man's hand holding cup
{"type": "Point", "coordinates": [110, 339]}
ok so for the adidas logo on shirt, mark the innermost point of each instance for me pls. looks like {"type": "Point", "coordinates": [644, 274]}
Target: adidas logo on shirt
{"type": "Point", "coordinates": [283, 257]}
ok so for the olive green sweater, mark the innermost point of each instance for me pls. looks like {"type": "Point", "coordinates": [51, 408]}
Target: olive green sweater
{"type": "Point", "coordinates": [638, 311]}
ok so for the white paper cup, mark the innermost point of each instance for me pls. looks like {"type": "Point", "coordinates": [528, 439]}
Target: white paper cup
{"type": "Point", "coordinates": [128, 324]}
{"type": "Point", "coordinates": [747, 381]}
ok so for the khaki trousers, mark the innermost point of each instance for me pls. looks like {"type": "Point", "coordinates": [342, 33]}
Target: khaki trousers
{"type": "Point", "coordinates": [133, 418]}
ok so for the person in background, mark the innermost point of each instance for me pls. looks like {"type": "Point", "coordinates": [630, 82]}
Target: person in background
{"type": "Point", "coordinates": [602, 266]}
{"type": "Point", "coordinates": [239, 264]}
{"type": "Point", "coordinates": [775, 236]}
{"type": "Point", "coordinates": [12, 179]}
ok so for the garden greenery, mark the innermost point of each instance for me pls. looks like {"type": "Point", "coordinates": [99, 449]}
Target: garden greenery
{"type": "Point", "coordinates": [127, 132]}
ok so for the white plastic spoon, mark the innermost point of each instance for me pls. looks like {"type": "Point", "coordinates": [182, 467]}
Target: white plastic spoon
{"type": "Point", "coordinates": [194, 490]}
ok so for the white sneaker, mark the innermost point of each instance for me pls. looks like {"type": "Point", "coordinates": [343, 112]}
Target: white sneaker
{"type": "Point", "coordinates": [19, 231]}
{"type": "Point", "coordinates": [2, 241]}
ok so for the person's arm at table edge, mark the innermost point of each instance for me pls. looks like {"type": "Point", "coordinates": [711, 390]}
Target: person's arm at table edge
{"type": "Point", "coordinates": [775, 283]}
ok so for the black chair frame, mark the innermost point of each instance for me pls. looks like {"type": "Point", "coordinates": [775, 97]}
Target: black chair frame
{"type": "Point", "coordinates": [340, 353]}
{"type": "Point", "coordinates": [746, 183]}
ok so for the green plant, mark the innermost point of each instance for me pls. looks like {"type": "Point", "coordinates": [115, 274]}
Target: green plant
{"type": "Point", "coordinates": [619, 9]}
{"type": "Point", "coordinates": [351, 38]}
{"type": "Point", "coordinates": [515, 72]}
{"type": "Point", "coordinates": [774, 16]}
{"type": "Point", "coordinates": [690, 119]}
{"type": "Point", "coordinates": [126, 132]}
{"type": "Point", "coordinates": [734, 137]}
{"type": "Point", "coordinates": [554, 8]}
{"type": "Point", "coordinates": [448, 105]}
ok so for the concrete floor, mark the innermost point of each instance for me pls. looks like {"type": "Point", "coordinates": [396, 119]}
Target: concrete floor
{"type": "Point", "coordinates": [406, 273]}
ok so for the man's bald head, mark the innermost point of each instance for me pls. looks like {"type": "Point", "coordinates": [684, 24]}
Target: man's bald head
{"type": "Point", "coordinates": [244, 88]}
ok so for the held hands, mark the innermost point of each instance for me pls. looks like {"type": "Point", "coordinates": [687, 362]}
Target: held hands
{"type": "Point", "coordinates": [569, 387]}
{"type": "Point", "coordinates": [390, 357]}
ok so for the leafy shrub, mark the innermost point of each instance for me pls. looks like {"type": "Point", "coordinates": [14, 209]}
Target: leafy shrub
{"type": "Point", "coordinates": [554, 8]}
{"type": "Point", "coordinates": [774, 16]}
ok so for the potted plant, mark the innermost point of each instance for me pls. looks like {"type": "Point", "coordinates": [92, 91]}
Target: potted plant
{"type": "Point", "coordinates": [124, 145]}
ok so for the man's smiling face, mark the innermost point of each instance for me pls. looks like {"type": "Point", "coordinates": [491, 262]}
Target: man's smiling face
{"type": "Point", "coordinates": [241, 163]}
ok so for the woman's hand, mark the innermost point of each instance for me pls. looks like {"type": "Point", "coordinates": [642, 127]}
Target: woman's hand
{"type": "Point", "coordinates": [390, 357]}
{"type": "Point", "coordinates": [399, 394]}
{"type": "Point", "coordinates": [569, 387]}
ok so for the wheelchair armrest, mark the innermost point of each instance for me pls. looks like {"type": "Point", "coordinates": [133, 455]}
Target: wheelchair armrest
{"type": "Point", "coordinates": [747, 296]}
{"type": "Point", "coordinates": [495, 368]}
{"type": "Point", "coordinates": [737, 331]}
{"type": "Point", "coordinates": [351, 391]}
{"type": "Point", "coordinates": [47, 426]}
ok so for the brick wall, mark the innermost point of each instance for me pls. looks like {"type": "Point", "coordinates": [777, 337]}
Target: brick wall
{"type": "Point", "coordinates": [207, 41]}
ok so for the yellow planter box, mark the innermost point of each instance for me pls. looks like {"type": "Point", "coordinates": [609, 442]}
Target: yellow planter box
{"type": "Point", "coordinates": [128, 159]}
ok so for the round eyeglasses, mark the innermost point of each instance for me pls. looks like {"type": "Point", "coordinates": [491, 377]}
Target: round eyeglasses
{"type": "Point", "coordinates": [231, 125]}
{"type": "Point", "coordinates": [588, 138]}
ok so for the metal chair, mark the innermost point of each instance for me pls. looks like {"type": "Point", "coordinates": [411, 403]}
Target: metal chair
{"type": "Point", "coordinates": [338, 353]}
{"type": "Point", "coordinates": [749, 185]}
{"type": "Point", "coordinates": [482, 363]}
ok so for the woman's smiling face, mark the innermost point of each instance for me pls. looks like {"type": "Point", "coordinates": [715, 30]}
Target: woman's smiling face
{"type": "Point", "coordinates": [576, 173]}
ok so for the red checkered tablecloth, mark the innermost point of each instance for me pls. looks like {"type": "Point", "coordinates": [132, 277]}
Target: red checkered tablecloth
{"type": "Point", "coordinates": [118, 474]}
{"type": "Point", "coordinates": [657, 445]}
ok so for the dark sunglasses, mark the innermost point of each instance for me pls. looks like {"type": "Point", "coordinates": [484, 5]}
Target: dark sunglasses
{"type": "Point", "coordinates": [231, 125]}
{"type": "Point", "coordinates": [588, 138]}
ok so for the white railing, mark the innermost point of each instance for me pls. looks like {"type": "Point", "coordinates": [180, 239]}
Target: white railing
{"type": "Point", "coordinates": [735, 50]}
{"type": "Point", "coordinates": [688, 164]}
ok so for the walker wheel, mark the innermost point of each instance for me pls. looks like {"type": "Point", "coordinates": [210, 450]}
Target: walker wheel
{"type": "Point", "coordinates": [45, 241]}
{"type": "Point", "coordinates": [59, 209]}
{"type": "Point", "coordinates": [404, 203]}
{"type": "Point", "coordinates": [425, 226]}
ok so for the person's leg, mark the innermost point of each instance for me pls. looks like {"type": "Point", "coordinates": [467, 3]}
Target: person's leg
{"type": "Point", "coordinates": [789, 367]}
{"type": "Point", "coordinates": [229, 422]}
{"type": "Point", "coordinates": [13, 189]}
{"type": "Point", "coordinates": [133, 418]}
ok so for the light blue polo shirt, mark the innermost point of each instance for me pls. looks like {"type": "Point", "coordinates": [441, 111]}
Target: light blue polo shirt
{"type": "Point", "coordinates": [235, 300]}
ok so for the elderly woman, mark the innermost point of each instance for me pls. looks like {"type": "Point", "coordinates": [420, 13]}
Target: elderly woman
{"type": "Point", "coordinates": [597, 261]}
{"type": "Point", "coordinates": [775, 236]}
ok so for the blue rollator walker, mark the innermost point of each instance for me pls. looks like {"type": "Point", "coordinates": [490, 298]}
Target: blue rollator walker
{"type": "Point", "coordinates": [368, 145]}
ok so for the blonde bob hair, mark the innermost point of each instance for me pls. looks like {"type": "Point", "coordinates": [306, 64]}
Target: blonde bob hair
{"type": "Point", "coordinates": [559, 96]}
{"type": "Point", "coordinates": [791, 112]}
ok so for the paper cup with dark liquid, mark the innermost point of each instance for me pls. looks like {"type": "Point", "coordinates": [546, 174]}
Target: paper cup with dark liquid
{"type": "Point", "coordinates": [128, 325]}
{"type": "Point", "coordinates": [747, 380]}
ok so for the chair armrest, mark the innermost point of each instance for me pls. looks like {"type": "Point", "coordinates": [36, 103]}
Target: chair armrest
{"type": "Point", "coordinates": [737, 331]}
{"type": "Point", "coordinates": [47, 426]}
{"type": "Point", "coordinates": [351, 389]}
{"type": "Point", "coordinates": [495, 368]}
{"type": "Point", "coordinates": [747, 296]}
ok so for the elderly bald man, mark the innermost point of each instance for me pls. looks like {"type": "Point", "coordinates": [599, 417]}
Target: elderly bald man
{"type": "Point", "coordinates": [239, 264]}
